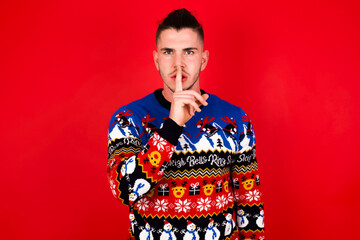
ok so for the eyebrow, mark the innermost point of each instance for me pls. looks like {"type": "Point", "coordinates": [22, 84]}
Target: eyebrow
{"type": "Point", "coordinates": [185, 49]}
{"type": "Point", "coordinates": [190, 48]}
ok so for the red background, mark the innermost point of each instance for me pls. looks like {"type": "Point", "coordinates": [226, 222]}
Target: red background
{"type": "Point", "coordinates": [66, 66]}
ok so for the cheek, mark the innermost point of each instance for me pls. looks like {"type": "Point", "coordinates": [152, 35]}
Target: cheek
{"type": "Point", "coordinates": [164, 62]}
{"type": "Point", "coordinates": [193, 63]}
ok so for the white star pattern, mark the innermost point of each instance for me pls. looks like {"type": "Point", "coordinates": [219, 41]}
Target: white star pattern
{"type": "Point", "coordinates": [220, 201]}
{"type": "Point", "coordinates": [161, 205]}
{"type": "Point", "coordinates": [253, 195]}
{"type": "Point", "coordinates": [159, 142]}
{"type": "Point", "coordinates": [203, 204]}
{"type": "Point", "coordinates": [183, 205]}
{"type": "Point", "coordinates": [143, 204]}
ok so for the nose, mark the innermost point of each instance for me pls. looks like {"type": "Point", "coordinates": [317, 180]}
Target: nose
{"type": "Point", "coordinates": [179, 60]}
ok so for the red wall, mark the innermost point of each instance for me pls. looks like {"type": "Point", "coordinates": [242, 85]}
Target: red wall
{"type": "Point", "coordinates": [66, 66]}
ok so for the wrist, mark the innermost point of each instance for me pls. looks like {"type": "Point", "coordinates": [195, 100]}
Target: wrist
{"type": "Point", "coordinates": [170, 131]}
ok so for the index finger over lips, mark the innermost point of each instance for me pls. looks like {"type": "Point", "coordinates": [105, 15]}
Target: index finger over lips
{"type": "Point", "coordinates": [178, 86]}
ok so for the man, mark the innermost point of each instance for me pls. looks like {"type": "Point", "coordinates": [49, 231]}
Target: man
{"type": "Point", "coordinates": [184, 160]}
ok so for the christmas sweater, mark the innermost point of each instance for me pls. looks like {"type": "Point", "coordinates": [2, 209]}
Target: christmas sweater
{"type": "Point", "coordinates": [197, 181]}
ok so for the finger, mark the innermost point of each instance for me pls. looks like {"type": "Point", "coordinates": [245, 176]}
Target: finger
{"type": "Point", "coordinates": [197, 96]}
{"type": "Point", "coordinates": [191, 104]}
{"type": "Point", "coordinates": [187, 101]}
{"type": "Point", "coordinates": [178, 86]}
{"type": "Point", "coordinates": [205, 96]}
{"type": "Point", "coordinates": [192, 111]}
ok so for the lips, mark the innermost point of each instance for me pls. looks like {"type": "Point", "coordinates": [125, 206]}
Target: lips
{"type": "Point", "coordinates": [184, 77]}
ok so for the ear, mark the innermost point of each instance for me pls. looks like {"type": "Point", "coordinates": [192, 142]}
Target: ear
{"type": "Point", "coordinates": [156, 59]}
{"type": "Point", "coordinates": [204, 59]}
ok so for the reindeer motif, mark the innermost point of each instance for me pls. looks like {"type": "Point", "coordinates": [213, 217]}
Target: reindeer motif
{"type": "Point", "coordinates": [205, 127]}
{"type": "Point", "coordinates": [149, 127]}
{"type": "Point", "coordinates": [231, 128]}
{"type": "Point", "coordinates": [122, 120]}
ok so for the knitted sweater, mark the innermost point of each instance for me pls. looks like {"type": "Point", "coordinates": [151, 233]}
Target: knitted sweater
{"type": "Point", "coordinates": [199, 181]}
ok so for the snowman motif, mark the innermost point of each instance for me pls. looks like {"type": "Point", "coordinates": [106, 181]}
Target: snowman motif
{"type": "Point", "coordinates": [132, 221]}
{"type": "Point", "coordinates": [167, 234]}
{"type": "Point", "coordinates": [230, 224]}
{"type": "Point", "coordinates": [128, 167]}
{"type": "Point", "coordinates": [241, 218]}
{"type": "Point", "coordinates": [141, 186]}
{"type": "Point", "coordinates": [146, 233]}
{"type": "Point", "coordinates": [212, 233]}
{"type": "Point", "coordinates": [191, 233]}
{"type": "Point", "coordinates": [260, 219]}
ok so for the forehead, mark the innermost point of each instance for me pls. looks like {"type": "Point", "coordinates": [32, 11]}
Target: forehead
{"type": "Point", "coordinates": [183, 38]}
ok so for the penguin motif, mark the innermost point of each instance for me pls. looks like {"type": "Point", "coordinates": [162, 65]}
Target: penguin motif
{"type": "Point", "coordinates": [231, 128]}
{"type": "Point", "coordinates": [245, 141]}
{"type": "Point", "coordinates": [260, 219]}
{"type": "Point", "coordinates": [191, 233]}
{"type": "Point", "coordinates": [128, 167]}
{"type": "Point", "coordinates": [141, 186]}
{"type": "Point", "coordinates": [167, 233]}
{"type": "Point", "coordinates": [212, 233]}
{"type": "Point", "coordinates": [230, 224]}
{"type": "Point", "coordinates": [205, 127]}
{"type": "Point", "coordinates": [241, 218]}
{"type": "Point", "coordinates": [146, 233]}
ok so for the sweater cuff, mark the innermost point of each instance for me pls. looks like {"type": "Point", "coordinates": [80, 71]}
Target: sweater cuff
{"type": "Point", "coordinates": [170, 131]}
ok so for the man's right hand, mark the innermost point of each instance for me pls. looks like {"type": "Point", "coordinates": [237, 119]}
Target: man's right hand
{"type": "Point", "coordinates": [185, 103]}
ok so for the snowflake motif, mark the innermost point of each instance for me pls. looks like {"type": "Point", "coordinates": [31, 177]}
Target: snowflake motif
{"type": "Point", "coordinates": [229, 198]}
{"type": "Point", "coordinates": [203, 204]}
{"type": "Point", "coordinates": [236, 196]}
{"type": "Point", "coordinates": [143, 204]}
{"type": "Point", "coordinates": [253, 195]}
{"type": "Point", "coordinates": [161, 205]}
{"type": "Point", "coordinates": [183, 205]}
{"type": "Point", "coordinates": [220, 201]}
{"type": "Point", "coordinates": [170, 150]}
{"type": "Point", "coordinates": [159, 142]}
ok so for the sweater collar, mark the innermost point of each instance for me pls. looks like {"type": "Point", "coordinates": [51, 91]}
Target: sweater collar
{"type": "Point", "coordinates": [165, 103]}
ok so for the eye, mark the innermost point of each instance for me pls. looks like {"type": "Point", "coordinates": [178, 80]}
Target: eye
{"type": "Point", "coordinates": [167, 52]}
{"type": "Point", "coordinates": [189, 52]}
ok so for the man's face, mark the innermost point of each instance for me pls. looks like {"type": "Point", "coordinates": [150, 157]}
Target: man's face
{"type": "Point", "coordinates": [180, 48]}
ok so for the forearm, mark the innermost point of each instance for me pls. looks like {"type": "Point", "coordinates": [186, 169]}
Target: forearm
{"type": "Point", "coordinates": [134, 169]}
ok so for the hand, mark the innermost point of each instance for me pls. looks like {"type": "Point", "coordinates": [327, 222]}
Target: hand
{"type": "Point", "coordinates": [185, 103]}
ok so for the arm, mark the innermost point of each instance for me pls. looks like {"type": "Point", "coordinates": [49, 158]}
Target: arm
{"type": "Point", "coordinates": [135, 167]}
{"type": "Point", "coordinates": [246, 185]}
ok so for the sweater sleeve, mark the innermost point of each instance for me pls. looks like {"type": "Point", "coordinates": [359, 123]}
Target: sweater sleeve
{"type": "Point", "coordinates": [135, 167]}
{"type": "Point", "coordinates": [246, 184]}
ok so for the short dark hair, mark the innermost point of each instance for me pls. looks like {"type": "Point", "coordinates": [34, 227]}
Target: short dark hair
{"type": "Point", "coordinates": [179, 19]}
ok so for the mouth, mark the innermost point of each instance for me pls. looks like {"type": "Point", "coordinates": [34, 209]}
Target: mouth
{"type": "Point", "coordinates": [183, 77]}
